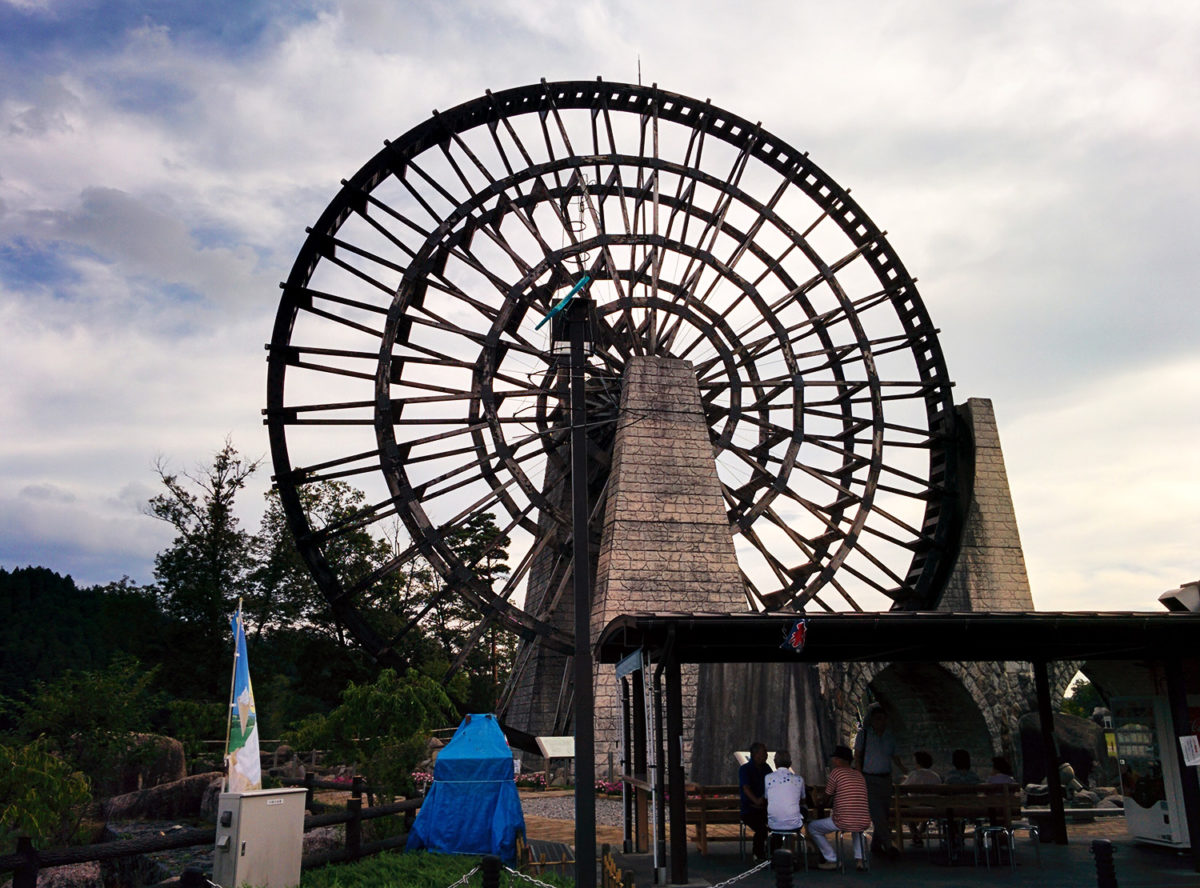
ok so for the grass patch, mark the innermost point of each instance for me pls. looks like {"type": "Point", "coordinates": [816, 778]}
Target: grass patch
{"type": "Point", "coordinates": [416, 869]}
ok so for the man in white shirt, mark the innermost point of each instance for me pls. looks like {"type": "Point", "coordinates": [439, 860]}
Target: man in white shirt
{"type": "Point", "coordinates": [785, 795]}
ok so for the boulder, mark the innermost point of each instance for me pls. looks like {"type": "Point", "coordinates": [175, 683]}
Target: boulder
{"type": "Point", "coordinates": [76, 875]}
{"type": "Point", "coordinates": [1080, 743]}
{"type": "Point", "coordinates": [324, 838]}
{"type": "Point", "coordinates": [211, 800]}
{"type": "Point", "coordinates": [150, 760]}
{"type": "Point", "coordinates": [177, 799]}
{"type": "Point", "coordinates": [289, 769]}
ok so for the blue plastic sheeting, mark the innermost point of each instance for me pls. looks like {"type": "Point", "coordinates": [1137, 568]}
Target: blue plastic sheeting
{"type": "Point", "coordinates": [473, 806]}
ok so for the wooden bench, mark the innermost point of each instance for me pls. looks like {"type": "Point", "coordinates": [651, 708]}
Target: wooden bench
{"type": "Point", "coordinates": [711, 806]}
{"type": "Point", "coordinates": [722, 805]}
{"type": "Point", "coordinates": [997, 803]}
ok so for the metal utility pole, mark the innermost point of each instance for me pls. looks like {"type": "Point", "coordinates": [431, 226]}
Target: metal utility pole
{"type": "Point", "coordinates": [576, 321]}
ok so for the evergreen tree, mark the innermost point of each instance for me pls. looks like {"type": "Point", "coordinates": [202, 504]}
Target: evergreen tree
{"type": "Point", "coordinates": [1081, 698]}
{"type": "Point", "coordinates": [47, 625]}
{"type": "Point", "coordinates": [282, 591]}
{"type": "Point", "coordinates": [203, 572]}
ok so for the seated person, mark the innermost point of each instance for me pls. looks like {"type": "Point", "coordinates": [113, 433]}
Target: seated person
{"type": "Point", "coordinates": [847, 791]}
{"type": "Point", "coordinates": [1001, 771]}
{"type": "Point", "coordinates": [752, 791]}
{"type": "Point", "coordinates": [962, 773]}
{"type": "Point", "coordinates": [785, 795]}
{"type": "Point", "coordinates": [922, 775]}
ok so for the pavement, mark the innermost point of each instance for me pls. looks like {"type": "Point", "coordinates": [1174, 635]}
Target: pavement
{"type": "Point", "coordinates": [1136, 865]}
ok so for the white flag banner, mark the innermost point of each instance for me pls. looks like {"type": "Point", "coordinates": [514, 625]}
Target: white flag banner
{"type": "Point", "coordinates": [243, 765]}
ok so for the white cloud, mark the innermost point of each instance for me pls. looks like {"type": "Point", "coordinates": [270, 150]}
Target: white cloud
{"type": "Point", "coordinates": [1105, 482]}
{"type": "Point", "coordinates": [1033, 163]}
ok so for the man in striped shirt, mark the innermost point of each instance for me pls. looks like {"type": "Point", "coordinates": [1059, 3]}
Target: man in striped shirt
{"type": "Point", "coordinates": [847, 791]}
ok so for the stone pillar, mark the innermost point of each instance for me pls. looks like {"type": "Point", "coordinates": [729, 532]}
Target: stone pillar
{"type": "Point", "coordinates": [666, 544]}
{"type": "Point", "coordinates": [989, 573]}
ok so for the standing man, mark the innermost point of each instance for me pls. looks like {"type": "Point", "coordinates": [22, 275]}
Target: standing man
{"type": "Point", "coordinates": [752, 783]}
{"type": "Point", "coordinates": [874, 755]}
{"type": "Point", "coordinates": [847, 790]}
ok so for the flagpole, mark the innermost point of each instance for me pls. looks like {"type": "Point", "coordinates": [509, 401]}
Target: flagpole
{"type": "Point", "coordinates": [232, 691]}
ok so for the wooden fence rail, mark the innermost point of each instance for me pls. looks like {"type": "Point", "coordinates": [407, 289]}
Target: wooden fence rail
{"type": "Point", "coordinates": [26, 863]}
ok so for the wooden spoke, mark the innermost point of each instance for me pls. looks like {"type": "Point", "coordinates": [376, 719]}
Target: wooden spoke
{"type": "Point", "coordinates": [405, 363]}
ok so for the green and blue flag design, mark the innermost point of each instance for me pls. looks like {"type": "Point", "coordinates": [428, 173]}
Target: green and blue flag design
{"type": "Point", "coordinates": [243, 766]}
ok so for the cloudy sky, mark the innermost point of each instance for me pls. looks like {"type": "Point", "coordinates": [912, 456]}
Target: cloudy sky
{"type": "Point", "coordinates": [1034, 165]}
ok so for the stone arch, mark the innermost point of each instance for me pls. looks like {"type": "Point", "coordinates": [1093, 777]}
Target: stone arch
{"type": "Point", "coordinates": [935, 706]}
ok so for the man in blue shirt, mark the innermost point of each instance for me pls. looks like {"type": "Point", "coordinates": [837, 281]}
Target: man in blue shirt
{"type": "Point", "coordinates": [874, 755]}
{"type": "Point", "coordinates": [752, 785]}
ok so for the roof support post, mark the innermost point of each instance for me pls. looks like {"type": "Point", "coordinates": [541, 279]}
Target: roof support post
{"type": "Point", "coordinates": [1058, 816]}
{"type": "Point", "coordinates": [1182, 725]}
{"type": "Point", "coordinates": [660, 779]}
{"type": "Point", "coordinates": [676, 789]}
{"type": "Point", "coordinates": [627, 791]}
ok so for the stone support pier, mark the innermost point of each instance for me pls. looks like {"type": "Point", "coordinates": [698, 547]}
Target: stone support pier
{"type": "Point", "coordinates": [665, 545]}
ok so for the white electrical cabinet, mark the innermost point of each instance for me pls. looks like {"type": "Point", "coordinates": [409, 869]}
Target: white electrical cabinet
{"type": "Point", "coordinates": [260, 838]}
{"type": "Point", "coordinates": [1147, 751]}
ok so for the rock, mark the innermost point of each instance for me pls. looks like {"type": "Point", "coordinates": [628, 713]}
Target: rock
{"type": "Point", "coordinates": [150, 868]}
{"type": "Point", "coordinates": [1080, 742]}
{"type": "Point", "coordinates": [180, 798]}
{"type": "Point", "coordinates": [211, 800]}
{"type": "Point", "coordinates": [77, 875]}
{"type": "Point", "coordinates": [290, 770]}
{"type": "Point", "coordinates": [324, 838]}
{"type": "Point", "coordinates": [150, 760]}
{"type": "Point", "coordinates": [1111, 801]}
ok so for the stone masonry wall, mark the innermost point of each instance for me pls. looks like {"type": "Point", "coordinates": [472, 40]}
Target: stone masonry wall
{"type": "Point", "coordinates": [974, 706]}
{"type": "Point", "coordinates": [989, 574]}
{"type": "Point", "coordinates": [666, 545]}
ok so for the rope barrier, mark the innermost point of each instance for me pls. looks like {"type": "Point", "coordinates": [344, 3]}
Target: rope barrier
{"type": "Point", "coordinates": [519, 875]}
{"type": "Point", "coordinates": [740, 876]}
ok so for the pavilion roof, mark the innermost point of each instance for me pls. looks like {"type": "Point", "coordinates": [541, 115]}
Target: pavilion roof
{"type": "Point", "coordinates": [896, 636]}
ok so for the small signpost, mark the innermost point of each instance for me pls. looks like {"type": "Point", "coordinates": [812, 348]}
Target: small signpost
{"type": "Point", "coordinates": [554, 748]}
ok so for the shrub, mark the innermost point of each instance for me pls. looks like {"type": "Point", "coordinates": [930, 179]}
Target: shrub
{"type": "Point", "coordinates": [40, 796]}
{"type": "Point", "coordinates": [192, 722]}
{"type": "Point", "coordinates": [89, 718]}
{"type": "Point", "coordinates": [381, 728]}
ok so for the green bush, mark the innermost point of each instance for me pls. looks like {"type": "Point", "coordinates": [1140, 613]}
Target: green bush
{"type": "Point", "coordinates": [381, 728]}
{"type": "Point", "coordinates": [90, 718]}
{"type": "Point", "coordinates": [192, 722]}
{"type": "Point", "coordinates": [40, 796]}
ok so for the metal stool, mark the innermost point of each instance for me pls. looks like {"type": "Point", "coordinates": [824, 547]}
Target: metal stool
{"type": "Point", "coordinates": [799, 847]}
{"type": "Point", "coordinates": [1032, 829]}
{"type": "Point", "coordinates": [865, 844]}
{"type": "Point", "coordinates": [987, 834]}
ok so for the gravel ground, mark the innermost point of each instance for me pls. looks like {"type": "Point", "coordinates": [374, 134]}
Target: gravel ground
{"type": "Point", "coordinates": [608, 811]}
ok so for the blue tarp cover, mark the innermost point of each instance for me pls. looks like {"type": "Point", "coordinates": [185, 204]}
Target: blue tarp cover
{"type": "Point", "coordinates": [473, 806]}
